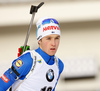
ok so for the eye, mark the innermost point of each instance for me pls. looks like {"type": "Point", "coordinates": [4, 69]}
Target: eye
{"type": "Point", "coordinates": [48, 38]}
{"type": "Point", "coordinates": [57, 37]}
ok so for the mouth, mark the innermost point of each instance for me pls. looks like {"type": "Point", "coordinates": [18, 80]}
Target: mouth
{"type": "Point", "coordinates": [52, 49]}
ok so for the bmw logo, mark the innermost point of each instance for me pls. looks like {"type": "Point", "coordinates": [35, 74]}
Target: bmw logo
{"type": "Point", "coordinates": [50, 75]}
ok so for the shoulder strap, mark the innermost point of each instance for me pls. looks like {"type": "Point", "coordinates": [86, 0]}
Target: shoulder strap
{"type": "Point", "coordinates": [56, 60]}
{"type": "Point", "coordinates": [34, 63]}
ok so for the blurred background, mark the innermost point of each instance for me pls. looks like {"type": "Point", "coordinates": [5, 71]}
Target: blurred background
{"type": "Point", "coordinates": [80, 41]}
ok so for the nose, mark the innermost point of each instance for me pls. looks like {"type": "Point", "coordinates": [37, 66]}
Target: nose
{"type": "Point", "coordinates": [53, 42]}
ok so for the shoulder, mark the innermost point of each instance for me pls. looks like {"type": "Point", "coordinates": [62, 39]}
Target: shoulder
{"type": "Point", "coordinates": [30, 53]}
{"type": "Point", "coordinates": [27, 55]}
{"type": "Point", "coordinates": [61, 66]}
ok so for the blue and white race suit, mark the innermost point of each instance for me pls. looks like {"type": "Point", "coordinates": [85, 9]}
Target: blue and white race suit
{"type": "Point", "coordinates": [44, 76]}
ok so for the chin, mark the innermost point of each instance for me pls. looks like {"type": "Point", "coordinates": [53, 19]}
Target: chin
{"type": "Point", "coordinates": [51, 54]}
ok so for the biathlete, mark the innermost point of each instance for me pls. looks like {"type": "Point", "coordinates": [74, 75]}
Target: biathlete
{"type": "Point", "coordinates": [40, 69]}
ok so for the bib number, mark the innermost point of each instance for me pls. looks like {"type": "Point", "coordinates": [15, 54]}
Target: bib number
{"type": "Point", "coordinates": [46, 89]}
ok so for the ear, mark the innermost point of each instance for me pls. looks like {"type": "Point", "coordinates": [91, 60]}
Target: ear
{"type": "Point", "coordinates": [39, 42]}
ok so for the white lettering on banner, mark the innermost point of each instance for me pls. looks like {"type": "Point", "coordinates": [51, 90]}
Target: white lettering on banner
{"type": "Point", "coordinates": [51, 28]}
{"type": "Point", "coordinates": [4, 78]}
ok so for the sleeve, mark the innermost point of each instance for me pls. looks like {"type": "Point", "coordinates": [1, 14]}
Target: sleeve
{"type": "Point", "coordinates": [20, 68]}
{"type": "Point", "coordinates": [22, 65]}
{"type": "Point", "coordinates": [7, 79]}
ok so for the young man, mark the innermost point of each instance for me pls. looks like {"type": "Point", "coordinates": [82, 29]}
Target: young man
{"type": "Point", "coordinates": [37, 70]}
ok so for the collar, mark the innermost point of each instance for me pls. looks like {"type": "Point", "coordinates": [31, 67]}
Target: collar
{"type": "Point", "coordinates": [48, 59]}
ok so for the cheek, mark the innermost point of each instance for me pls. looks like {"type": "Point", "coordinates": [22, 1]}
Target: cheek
{"type": "Point", "coordinates": [45, 44]}
{"type": "Point", "coordinates": [57, 43]}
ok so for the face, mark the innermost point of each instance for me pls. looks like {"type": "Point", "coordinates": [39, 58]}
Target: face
{"type": "Point", "coordinates": [49, 44]}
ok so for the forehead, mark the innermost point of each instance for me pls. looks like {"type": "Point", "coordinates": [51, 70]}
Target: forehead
{"type": "Point", "coordinates": [52, 35]}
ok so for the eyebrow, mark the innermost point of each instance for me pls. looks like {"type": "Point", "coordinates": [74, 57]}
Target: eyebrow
{"type": "Point", "coordinates": [58, 36]}
{"type": "Point", "coordinates": [51, 36]}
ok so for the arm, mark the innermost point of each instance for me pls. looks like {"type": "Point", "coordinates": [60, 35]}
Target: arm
{"type": "Point", "coordinates": [7, 79]}
{"type": "Point", "coordinates": [20, 68]}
